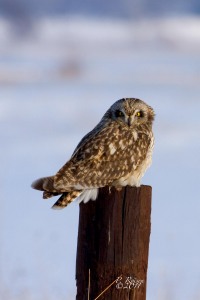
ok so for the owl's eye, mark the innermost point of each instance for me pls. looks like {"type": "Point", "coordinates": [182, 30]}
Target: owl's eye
{"type": "Point", "coordinates": [119, 113]}
{"type": "Point", "coordinates": [140, 114]}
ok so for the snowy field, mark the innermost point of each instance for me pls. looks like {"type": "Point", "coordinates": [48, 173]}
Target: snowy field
{"type": "Point", "coordinates": [55, 85]}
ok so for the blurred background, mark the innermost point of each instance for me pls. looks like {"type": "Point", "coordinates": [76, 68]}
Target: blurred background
{"type": "Point", "coordinates": [62, 64]}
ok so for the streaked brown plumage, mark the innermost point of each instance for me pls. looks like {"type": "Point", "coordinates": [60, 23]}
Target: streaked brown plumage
{"type": "Point", "coordinates": [116, 152]}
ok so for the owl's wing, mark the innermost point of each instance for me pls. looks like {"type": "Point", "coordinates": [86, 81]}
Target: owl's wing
{"type": "Point", "coordinates": [104, 157]}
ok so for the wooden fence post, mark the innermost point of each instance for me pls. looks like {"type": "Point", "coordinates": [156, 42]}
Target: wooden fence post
{"type": "Point", "coordinates": [113, 245]}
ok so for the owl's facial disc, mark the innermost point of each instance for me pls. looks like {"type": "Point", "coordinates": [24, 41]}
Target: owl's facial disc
{"type": "Point", "coordinates": [130, 112]}
{"type": "Point", "coordinates": [128, 118]}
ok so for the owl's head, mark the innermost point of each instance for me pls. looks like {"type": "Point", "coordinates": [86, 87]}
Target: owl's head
{"type": "Point", "coordinates": [131, 112]}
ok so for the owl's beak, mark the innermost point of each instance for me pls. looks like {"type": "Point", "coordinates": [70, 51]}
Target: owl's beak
{"type": "Point", "coordinates": [130, 120]}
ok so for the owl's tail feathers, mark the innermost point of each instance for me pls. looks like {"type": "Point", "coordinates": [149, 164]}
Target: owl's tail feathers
{"type": "Point", "coordinates": [45, 184]}
{"type": "Point", "coordinates": [66, 199]}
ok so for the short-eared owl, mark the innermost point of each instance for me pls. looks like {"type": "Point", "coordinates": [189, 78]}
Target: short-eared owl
{"type": "Point", "coordinates": [116, 152]}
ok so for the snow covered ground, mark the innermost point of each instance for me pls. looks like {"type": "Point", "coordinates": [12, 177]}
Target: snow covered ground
{"type": "Point", "coordinates": [55, 85]}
